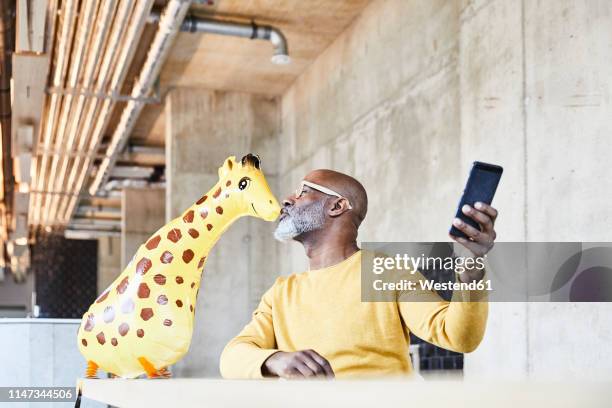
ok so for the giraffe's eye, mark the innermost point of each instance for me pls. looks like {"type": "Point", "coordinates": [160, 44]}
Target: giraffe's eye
{"type": "Point", "coordinates": [244, 183]}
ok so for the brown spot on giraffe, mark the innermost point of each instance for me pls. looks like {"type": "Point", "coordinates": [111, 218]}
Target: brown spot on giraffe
{"type": "Point", "coordinates": [124, 328]}
{"type": "Point", "coordinates": [203, 213]}
{"type": "Point", "coordinates": [193, 283]}
{"type": "Point", "coordinates": [174, 235]}
{"type": "Point", "coordinates": [219, 210]}
{"type": "Point", "coordinates": [179, 280]}
{"type": "Point", "coordinates": [100, 337]}
{"type": "Point", "coordinates": [201, 200]}
{"type": "Point", "coordinates": [146, 313]}
{"type": "Point", "coordinates": [143, 290]}
{"type": "Point", "coordinates": [162, 299]}
{"type": "Point", "coordinates": [153, 242]}
{"type": "Point", "coordinates": [160, 279]}
{"type": "Point", "coordinates": [193, 232]}
{"type": "Point", "coordinates": [209, 226]}
{"type": "Point", "coordinates": [166, 257]}
{"type": "Point", "coordinates": [90, 323]}
{"type": "Point", "coordinates": [167, 322]}
{"type": "Point", "coordinates": [229, 183]}
{"type": "Point", "coordinates": [179, 303]}
{"type": "Point", "coordinates": [191, 308]}
{"type": "Point", "coordinates": [84, 342]}
{"type": "Point", "coordinates": [140, 333]}
{"type": "Point", "coordinates": [127, 306]}
{"type": "Point", "coordinates": [217, 193]}
{"type": "Point", "coordinates": [102, 297]}
{"type": "Point", "coordinates": [200, 264]}
{"type": "Point", "coordinates": [188, 256]}
{"type": "Point", "coordinates": [123, 285]}
{"type": "Point", "coordinates": [109, 314]}
{"type": "Point", "coordinates": [188, 218]}
{"type": "Point", "coordinates": [143, 266]}
{"type": "Point", "coordinates": [114, 341]}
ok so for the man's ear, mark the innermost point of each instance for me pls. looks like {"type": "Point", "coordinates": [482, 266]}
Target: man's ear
{"type": "Point", "coordinates": [338, 206]}
{"type": "Point", "coordinates": [227, 167]}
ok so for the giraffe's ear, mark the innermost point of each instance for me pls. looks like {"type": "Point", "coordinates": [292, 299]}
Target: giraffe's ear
{"type": "Point", "coordinates": [227, 167]}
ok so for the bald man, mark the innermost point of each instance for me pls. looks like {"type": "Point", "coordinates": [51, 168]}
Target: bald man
{"type": "Point", "coordinates": [313, 324]}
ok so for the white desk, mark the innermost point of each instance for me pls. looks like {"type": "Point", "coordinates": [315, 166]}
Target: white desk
{"type": "Point", "coordinates": [206, 393]}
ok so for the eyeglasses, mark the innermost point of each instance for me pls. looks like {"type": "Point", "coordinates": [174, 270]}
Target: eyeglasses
{"type": "Point", "coordinates": [315, 186]}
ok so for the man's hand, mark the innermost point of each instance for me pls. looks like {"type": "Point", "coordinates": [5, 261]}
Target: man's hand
{"type": "Point", "coordinates": [299, 364]}
{"type": "Point", "coordinates": [479, 242]}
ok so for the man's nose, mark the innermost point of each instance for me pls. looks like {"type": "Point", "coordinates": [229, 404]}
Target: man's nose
{"type": "Point", "coordinates": [289, 201]}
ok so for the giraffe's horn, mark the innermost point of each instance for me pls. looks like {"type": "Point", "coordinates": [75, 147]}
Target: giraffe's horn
{"type": "Point", "coordinates": [252, 160]}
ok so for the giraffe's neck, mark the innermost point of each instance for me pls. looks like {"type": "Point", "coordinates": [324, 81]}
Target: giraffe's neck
{"type": "Point", "coordinates": [209, 217]}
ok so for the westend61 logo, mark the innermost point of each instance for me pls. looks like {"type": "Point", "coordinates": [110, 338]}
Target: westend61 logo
{"type": "Point", "coordinates": [511, 271]}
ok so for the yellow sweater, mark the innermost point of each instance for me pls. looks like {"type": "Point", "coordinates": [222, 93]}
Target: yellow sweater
{"type": "Point", "coordinates": [322, 310]}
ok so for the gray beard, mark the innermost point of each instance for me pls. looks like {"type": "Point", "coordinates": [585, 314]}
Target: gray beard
{"type": "Point", "coordinates": [299, 221]}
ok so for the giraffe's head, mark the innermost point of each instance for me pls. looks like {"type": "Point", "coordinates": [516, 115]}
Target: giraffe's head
{"type": "Point", "coordinates": [248, 188]}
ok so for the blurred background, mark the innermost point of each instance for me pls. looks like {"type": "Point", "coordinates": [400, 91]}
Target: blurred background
{"type": "Point", "coordinates": [115, 116]}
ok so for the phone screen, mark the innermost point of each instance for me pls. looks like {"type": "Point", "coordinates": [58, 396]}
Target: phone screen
{"type": "Point", "coordinates": [481, 186]}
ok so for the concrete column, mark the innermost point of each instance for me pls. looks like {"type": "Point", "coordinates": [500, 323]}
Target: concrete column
{"type": "Point", "coordinates": [109, 261]}
{"type": "Point", "coordinates": [142, 213]}
{"type": "Point", "coordinates": [202, 129]}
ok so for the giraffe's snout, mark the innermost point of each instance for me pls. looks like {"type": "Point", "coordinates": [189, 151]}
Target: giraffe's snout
{"type": "Point", "coordinates": [269, 211]}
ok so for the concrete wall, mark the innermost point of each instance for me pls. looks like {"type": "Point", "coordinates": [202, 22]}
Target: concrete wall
{"type": "Point", "coordinates": [413, 92]}
{"type": "Point", "coordinates": [142, 213]}
{"type": "Point", "coordinates": [203, 128]}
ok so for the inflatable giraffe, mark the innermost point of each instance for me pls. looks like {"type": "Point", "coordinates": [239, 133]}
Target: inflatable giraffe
{"type": "Point", "coordinates": [143, 322]}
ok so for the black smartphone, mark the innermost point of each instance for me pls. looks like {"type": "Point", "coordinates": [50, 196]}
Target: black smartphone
{"type": "Point", "coordinates": [480, 186]}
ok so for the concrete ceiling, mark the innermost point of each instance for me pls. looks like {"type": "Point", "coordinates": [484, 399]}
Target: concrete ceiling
{"type": "Point", "coordinates": [237, 64]}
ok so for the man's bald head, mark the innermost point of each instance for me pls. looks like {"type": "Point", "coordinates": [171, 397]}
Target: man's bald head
{"type": "Point", "coordinates": [347, 187]}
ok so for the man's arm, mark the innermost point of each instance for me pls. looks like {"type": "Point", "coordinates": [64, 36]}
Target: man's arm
{"type": "Point", "coordinates": [244, 355]}
{"type": "Point", "coordinates": [254, 354]}
{"type": "Point", "coordinates": [457, 325]}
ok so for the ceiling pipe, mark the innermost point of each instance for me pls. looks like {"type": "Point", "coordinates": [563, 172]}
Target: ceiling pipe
{"type": "Point", "coordinates": [169, 25]}
{"type": "Point", "coordinates": [69, 114]}
{"type": "Point", "coordinates": [93, 57]}
{"type": "Point", "coordinates": [118, 24]}
{"type": "Point", "coordinates": [114, 69]}
{"type": "Point", "coordinates": [61, 56]}
{"type": "Point", "coordinates": [195, 24]}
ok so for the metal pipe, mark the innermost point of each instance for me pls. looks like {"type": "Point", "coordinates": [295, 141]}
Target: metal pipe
{"type": "Point", "coordinates": [195, 24]}
{"type": "Point", "coordinates": [111, 31]}
{"type": "Point", "coordinates": [61, 56]}
{"type": "Point", "coordinates": [68, 115]}
{"type": "Point", "coordinates": [114, 96]}
{"type": "Point", "coordinates": [103, 111]}
{"type": "Point", "coordinates": [169, 24]}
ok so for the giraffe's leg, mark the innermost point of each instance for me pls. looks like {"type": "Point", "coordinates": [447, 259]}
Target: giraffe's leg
{"type": "Point", "coordinates": [91, 370]}
{"type": "Point", "coordinates": [164, 372]}
{"type": "Point", "coordinates": [148, 367]}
